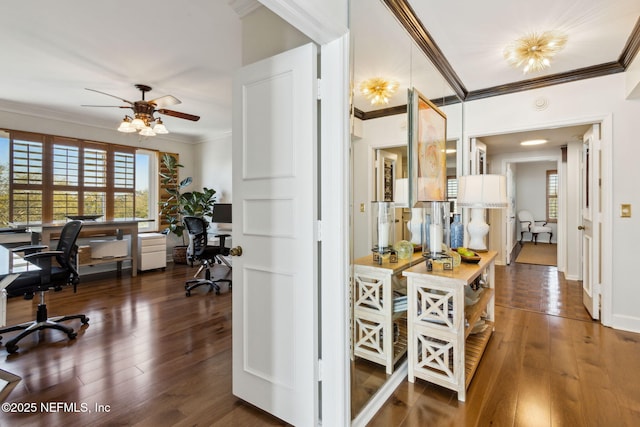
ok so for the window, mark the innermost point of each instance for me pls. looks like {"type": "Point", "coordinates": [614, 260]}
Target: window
{"type": "Point", "coordinates": [452, 192]}
{"type": "Point", "coordinates": [48, 177]}
{"type": "Point", "coordinates": [552, 196]}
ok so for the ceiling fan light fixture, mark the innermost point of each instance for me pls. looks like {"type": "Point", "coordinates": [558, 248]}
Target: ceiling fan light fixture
{"type": "Point", "coordinates": [147, 131]}
{"type": "Point", "coordinates": [533, 52]}
{"type": "Point", "coordinates": [159, 127]}
{"type": "Point", "coordinates": [138, 123]}
{"type": "Point", "coordinates": [378, 90]}
{"type": "Point", "coordinates": [125, 126]}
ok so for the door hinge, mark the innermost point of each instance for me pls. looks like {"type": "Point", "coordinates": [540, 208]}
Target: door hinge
{"type": "Point", "coordinates": [319, 91]}
{"type": "Point", "coordinates": [320, 370]}
{"type": "Point", "coordinates": [318, 231]}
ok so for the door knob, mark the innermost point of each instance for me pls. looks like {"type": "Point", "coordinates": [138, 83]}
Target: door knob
{"type": "Point", "coordinates": [580, 227]}
{"type": "Point", "coordinates": [237, 251]}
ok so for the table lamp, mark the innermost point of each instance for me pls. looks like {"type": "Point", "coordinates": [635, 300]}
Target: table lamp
{"type": "Point", "coordinates": [480, 192]}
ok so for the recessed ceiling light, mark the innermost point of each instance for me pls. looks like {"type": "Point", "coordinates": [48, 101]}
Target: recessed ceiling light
{"type": "Point", "coordinates": [450, 150]}
{"type": "Point", "coordinates": [534, 142]}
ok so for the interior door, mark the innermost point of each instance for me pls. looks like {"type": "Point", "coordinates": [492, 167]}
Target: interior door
{"type": "Point", "coordinates": [275, 311]}
{"type": "Point", "coordinates": [591, 221]}
{"type": "Point", "coordinates": [510, 215]}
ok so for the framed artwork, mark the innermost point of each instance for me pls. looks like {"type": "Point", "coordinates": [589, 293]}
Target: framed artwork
{"type": "Point", "coordinates": [427, 150]}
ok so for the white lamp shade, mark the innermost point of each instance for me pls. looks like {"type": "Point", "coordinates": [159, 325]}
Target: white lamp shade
{"type": "Point", "coordinates": [482, 191]}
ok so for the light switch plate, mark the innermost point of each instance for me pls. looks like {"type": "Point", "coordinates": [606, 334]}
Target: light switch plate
{"type": "Point", "coordinates": [625, 210]}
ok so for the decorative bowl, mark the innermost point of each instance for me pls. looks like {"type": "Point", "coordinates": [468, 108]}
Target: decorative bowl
{"type": "Point", "coordinates": [471, 259]}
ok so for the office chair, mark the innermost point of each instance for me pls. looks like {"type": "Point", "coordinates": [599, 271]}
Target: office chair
{"type": "Point", "coordinates": [50, 276]}
{"type": "Point", "coordinates": [528, 224]}
{"type": "Point", "coordinates": [199, 250]}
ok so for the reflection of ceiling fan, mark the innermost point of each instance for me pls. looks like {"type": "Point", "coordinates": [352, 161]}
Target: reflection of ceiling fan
{"type": "Point", "coordinates": [143, 112]}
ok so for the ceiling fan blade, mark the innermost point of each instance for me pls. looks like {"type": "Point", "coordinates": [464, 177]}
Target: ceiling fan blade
{"type": "Point", "coordinates": [165, 101]}
{"type": "Point", "coordinates": [108, 94]}
{"type": "Point", "coordinates": [179, 115]}
{"type": "Point", "coordinates": [110, 106]}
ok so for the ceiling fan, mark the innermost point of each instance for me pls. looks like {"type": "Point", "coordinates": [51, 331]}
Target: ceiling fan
{"type": "Point", "coordinates": [143, 112]}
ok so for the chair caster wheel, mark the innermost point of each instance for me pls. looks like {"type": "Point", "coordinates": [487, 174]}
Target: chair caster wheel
{"type": "Point", "coordinates": [11, 348]}
{"type": "Point", "coordinates": [85, 320]}
{"type": "Point", "coordinates": [72, 335]}
{"type": "Point", "coordinates": [188, 293]}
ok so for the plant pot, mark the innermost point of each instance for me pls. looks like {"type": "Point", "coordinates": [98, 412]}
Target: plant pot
{"type": "Point", "coordinates": [180, 254]}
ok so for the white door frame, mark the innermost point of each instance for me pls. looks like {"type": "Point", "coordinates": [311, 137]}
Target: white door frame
{"type": "Point", "coordinates": [606, 135]}
{"type": "Point", "coordinates": [333, 38]}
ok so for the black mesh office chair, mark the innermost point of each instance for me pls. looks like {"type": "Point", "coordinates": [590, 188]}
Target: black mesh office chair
{"type": "Point", "coordinates": [199, 250]}
{"type": "Point", "coordinates": [52, 275]}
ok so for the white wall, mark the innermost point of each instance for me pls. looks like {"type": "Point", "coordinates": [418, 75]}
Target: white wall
{"type": "Point", "coordinates": [213, 168]}
{"type": "Point", "coordinates": [588, 101]}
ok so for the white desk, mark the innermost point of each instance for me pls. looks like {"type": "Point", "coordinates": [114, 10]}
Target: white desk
{"type": "Point", "coordinates": [127, 226]}
{"type": "Point", "coordinates": [11, 265]}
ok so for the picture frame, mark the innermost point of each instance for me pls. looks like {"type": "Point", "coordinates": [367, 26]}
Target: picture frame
{"type": "Point", "coordinates": [426, 149]}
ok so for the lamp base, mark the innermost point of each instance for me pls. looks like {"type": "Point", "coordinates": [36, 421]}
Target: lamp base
{"type": "Point", "coordinates": [477, 229]}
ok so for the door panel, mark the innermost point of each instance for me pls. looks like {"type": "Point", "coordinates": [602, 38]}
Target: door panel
{"type": "Point", "coordinates": [275, 338]}
{"type": "Point", "coordinates": [591, 221]}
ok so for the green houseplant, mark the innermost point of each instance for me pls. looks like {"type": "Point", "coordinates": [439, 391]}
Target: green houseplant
{"type": "Point", "coordinates": [171, 207]}
{"type": "Point", "coordinates": [178, 204]}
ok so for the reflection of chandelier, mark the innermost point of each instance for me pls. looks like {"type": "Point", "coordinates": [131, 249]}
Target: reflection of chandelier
{"type": "Point", "coordinates": [378, 90]}
{"type": "Point", "coordinates": [533, 51]}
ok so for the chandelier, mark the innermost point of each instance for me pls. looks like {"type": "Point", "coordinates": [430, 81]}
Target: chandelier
{"type": "Point", "coordinates": [534, 51]}
{"type": "Point", "coordinates": [378, 90]}
{"type": "Point", "coordinates": [141, 123]}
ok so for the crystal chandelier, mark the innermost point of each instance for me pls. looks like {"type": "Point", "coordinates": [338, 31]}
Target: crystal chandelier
{"type": "Point", "coordinates": [378, 90]}
{"type": "Point", "coordinates": [534, 51]}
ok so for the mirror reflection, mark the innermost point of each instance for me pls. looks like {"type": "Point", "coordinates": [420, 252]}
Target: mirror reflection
{"type": "Point", "coordinates": [385, 66]}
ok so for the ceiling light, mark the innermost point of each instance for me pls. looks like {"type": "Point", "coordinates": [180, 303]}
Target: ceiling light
{"type": "Point", "coordinates": [160, 127]}
{"type": "Point", "coordinates": [378, 90]}
{"type": "Point", "coordinates": [141, 124]}
{"type": "Point", "coordinates": [534, 51]}
{"type": "Point", "coordinates": [534, 142]}
{"type": "Point", "coordinates": [125, 126]}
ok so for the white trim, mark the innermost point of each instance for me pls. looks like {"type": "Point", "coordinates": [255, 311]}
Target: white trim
{"type": "Point", "coordinates": [606, 133]}
{"type": "Point", "coordinates": [606, 240]}
{"type": "Point", "coordinates": [625, 323]}
{"type": "Point", "coordinates": [310, 21]}
{"type": "Point", "coordinates": [334, 252]}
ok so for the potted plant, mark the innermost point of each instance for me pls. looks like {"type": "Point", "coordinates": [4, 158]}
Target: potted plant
{"type": "Point", "coordinates": [198, 203]}
{"type": "Point", "coordinates": [171, 208]}
{"type": "Point", "coordinates": [179, 204]}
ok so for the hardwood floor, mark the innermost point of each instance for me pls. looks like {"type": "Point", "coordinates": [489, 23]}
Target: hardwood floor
{"type": "Point", "coordinates": [149, 355]}
{"type": "Point", "coordinates": [158, 358]}
{"type": "Point", "coordinates": [547, 364]}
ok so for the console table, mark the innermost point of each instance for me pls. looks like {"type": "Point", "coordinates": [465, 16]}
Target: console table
{"type": "Point", "coordinates": [441, 346]}
{"type": "Point", "coordinates": [379, 325]}
{"type": "Point", "coordinates": [126, 226]}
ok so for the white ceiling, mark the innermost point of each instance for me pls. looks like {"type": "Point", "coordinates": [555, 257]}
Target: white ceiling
{"type": "Point", "coordinates": [52, 51]}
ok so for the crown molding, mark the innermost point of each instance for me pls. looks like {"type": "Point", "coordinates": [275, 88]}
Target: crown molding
{"type": "Point", "coordinates": [407, 18]}
{"type": "Point", "coordinates": [244, 7]}
{"type": "Point", "coordinates": [632, 47]}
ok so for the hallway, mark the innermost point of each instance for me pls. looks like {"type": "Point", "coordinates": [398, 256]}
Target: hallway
{"type": "Point", "coordinates": [547, 364]}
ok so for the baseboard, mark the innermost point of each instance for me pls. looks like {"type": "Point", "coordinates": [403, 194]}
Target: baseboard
{"type": "Point", "coordinates": [625, 323]}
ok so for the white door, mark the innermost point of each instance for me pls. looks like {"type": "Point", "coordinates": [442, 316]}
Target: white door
{"type": "Point", "coordinates": [275, 313]}
{"type": "Point", "coordinates": [510, 215]}
{"type": "Point", "coordinates": [591, 221]}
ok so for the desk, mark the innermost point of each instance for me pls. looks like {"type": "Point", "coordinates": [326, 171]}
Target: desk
{"type": "Point", "coordinates": [11, 265]}
{"type": "Point", "coordinates": [126, 226]}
